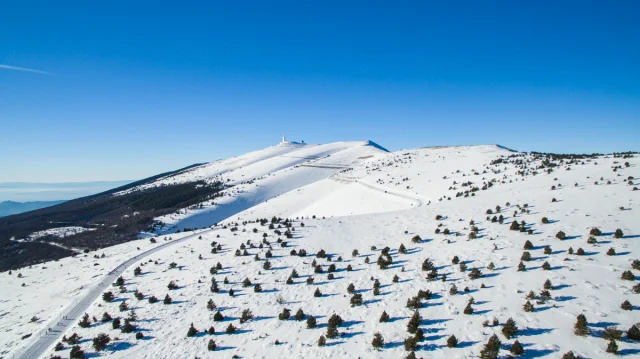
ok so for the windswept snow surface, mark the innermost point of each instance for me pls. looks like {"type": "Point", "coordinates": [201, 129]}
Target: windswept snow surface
{"type": "Point", "coordinates": [369, 204]}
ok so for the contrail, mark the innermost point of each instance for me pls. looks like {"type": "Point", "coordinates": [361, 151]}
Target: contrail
{"type": "Point", "coordinates": [24, 69]}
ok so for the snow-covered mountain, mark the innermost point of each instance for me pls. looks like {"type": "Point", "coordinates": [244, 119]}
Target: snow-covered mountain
{"type": "Point", "coordinates": [460, 235]}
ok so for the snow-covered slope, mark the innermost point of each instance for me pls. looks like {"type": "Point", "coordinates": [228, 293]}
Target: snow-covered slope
{"type": "Point", "coordinates": [366, 199]}
{"type": "Point", "coordinates": [260, 176]}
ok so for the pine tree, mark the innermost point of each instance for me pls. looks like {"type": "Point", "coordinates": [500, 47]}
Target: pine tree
{"type": "Point", "coordinates": [299, 315]}
{"type": "Point", "coordinates": [167, 299]}
{"type": "Point", "coordinates": [491, 349]}
{"type": "Point", "coordinates": [351, 288]}
{"type": "Point", "coordinates": [246, 283]}
{"type": "Point", "coordinates": [192, 331]}
{"type": "Point", "coordinates": [611, 333]}
{"type": "Point", "coordinates": [612, 347]}
{"type": "Point", "coordinates": [412, 355]}
{"type": "Point", "coordinates": [211, 346]}
{"type": "Point", "coordinates": [378, 341]}
{"type": "Point", "coordinates": [414, 322]}
{"type": "Point", "coordinates": [123, 306]}
{"type": "Point", "coordinates": [100, 342]}
{"type": "Point", "coordinates": [286, 314]}
{"type": "Point", "coordinates": [569, 355]}
{"type": "Point", "coordinates": [468, 309]}
{"type": "Point", "coordinates": [521, 267]}
{"type": "Point", "coordinates": [528, 307]}
{"type": "Point", "coordinates": [85, 322]}
{"type": "Point", "coordinates": [626, 305]}
{"type": "Point", "coordinates": [127, 327]}
{"type": "Point", "coordinates": [231, 329]}
{"type": "Point", "coordinates": [218, 317]}
{"type": "Point", "coordinates": [384, 317]}
{"type": "Point", "coordinates": [116, 323]}
{"type": "Point", "coordinates": [419, 336]}
{"type": "Point", "coordinates": [76, 353]}
{"type": "Point", "coordinates": [580, 327]}
{"type": "Point", "coordinates": [172, 285]}
{"type": "Point", "coordinates": [410, 344]}
{"type": "Point", "coordinates": [317, 293]}
{"type": "Point", "coordinates": [475, 273]}
{"type": "Point", "coordinates": [509, 329]}
{"type": "Point", "coordinates": [528, 245]}
{"type": "Point", "coordinates": [108, 297]}
{"type": "Point", "coordinates": [211, 305]}
{"type": "Point", "coordinates": [332, 332]}
{"type": "Point", "coordinates": [634, 332]}
{"type": "Point", "coordinates": [211, 330]}
{"type": "Point", "coordinates": [427, 265]}
{"type": "Point", "coordinates": [628, 275]}
{"type": "Point", "coordinates": [402, 249]}
{"type": "Point", "coordinates": [311, 322]}
{"type": "Point", "coordinates": [322, 341]}
{"type": "Point", "coordinates": [546, 266]}
{"type": "Point", "coordinates": [452, 341]}
{"type": "Point", "coordinates": [335, 320]}
{"type": "Point", "coordinates": [516, 348]}
{"type": "Point", "coordinates": [246, 316]}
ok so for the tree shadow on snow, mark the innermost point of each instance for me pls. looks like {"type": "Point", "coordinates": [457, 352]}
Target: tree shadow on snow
{"type": "Point", "coordinates": [259, 318]}
{"type": "Point", "coordinates": [222, 348]}
{"type": "Point", "coordinates": [624, 352]}
{"type": "Point", "coordinates": [348, 335]}
{"type": "Point", "coordinates": [434, 337]}
{"type": "Point", "coordinates": [350, 323]}
{"type": "Point", "coordinates": [118, 345]}
{"type": "Point", "coordinates": [330, 344]}
{"type": "Point", "coordinates": [433, 321]}
{"type": "Point", "coordinates": [392, 345]}
{"type": "Point", "coordinates": [466, 344]}
{"type": "Point", "coordinates": [395, 319]}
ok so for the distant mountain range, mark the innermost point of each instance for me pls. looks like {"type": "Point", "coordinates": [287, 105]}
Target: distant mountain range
{"type": "Point", "coordinates": [8, 208]}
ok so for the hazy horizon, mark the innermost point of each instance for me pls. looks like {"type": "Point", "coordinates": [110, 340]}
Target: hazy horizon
{"type": "Point", "coordinates": [37, 192]}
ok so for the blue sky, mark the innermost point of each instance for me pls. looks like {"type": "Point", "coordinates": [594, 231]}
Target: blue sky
{"type": "Point", "coordinates": [134, 88]}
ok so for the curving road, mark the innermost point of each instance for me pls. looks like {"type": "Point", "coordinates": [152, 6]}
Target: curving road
{"type": "Point", "coordinates": [47, 338]}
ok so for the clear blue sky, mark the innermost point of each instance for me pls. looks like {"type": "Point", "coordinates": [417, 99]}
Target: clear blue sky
{"type": "Point", "coordinates": [133, 88]}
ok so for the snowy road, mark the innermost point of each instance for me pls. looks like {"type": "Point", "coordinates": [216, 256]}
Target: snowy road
{"type": "Point", "coordinates": [48, 338]}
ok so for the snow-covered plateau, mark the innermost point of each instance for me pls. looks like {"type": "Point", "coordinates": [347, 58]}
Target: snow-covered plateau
{"type": "Point", "coordinates": [465, 236]}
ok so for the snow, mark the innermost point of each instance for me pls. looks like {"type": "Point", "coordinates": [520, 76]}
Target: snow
{"type": "Point", "coordinates": [363, 197]}
{"type": "Point", "coordinates": [59, 232]}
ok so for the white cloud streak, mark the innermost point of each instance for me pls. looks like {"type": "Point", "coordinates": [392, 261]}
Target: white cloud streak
{"type": "Point", "coordinates": [15, 68]}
